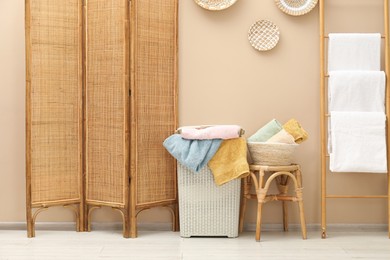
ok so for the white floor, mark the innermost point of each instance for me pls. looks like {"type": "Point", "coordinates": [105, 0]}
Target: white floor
{"type": "Point", "coordinates": [58, 245]}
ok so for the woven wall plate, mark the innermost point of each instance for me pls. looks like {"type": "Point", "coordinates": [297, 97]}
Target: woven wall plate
{"type": "Point", "coordinates": [215, 5]}
{"type": "Point", "coordinates": [263, 35]}
{"type": "Point", "coordinates": [296, 7]}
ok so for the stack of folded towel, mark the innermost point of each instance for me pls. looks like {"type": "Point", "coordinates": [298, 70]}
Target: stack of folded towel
{"type": "Point", "coordinates": [274, 132]}
{"type": "Point", "coordinates": [356, 94]}
{"type": "Point", "coordinates": [221, 147]}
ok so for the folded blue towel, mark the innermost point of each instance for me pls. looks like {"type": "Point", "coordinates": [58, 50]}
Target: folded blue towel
{"type": "Point", "coordinates": [194, 154]}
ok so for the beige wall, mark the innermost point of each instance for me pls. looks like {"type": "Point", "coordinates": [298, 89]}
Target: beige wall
{"type": "Point", "coordinates": [222, 80]}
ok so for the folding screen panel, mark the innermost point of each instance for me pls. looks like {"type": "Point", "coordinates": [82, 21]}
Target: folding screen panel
{"type": "Point", "coordinates": [107, 102]}
{"type": "Point", "coordinates": [154, 39]}
{"type": "Point", "coordinates": [53, 106]}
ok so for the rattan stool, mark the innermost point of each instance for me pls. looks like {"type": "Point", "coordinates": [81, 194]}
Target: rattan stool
{"type": "Point", "coordinates": [282, 175]}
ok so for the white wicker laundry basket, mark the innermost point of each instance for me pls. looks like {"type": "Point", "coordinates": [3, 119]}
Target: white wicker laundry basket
{"type": "Point", "coordinates": [206, 209]}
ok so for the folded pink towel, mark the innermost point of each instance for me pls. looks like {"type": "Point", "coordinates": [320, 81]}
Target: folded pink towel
{"type": "Point", "coordinates": [211, 132]}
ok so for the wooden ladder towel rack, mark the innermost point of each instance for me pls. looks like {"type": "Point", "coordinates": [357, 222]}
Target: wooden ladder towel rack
{"type": "Point", "coordinates": [325, 116]}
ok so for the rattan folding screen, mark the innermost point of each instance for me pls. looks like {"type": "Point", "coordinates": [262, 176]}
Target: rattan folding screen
{"type": "Point", "coordinates": [100, 99]}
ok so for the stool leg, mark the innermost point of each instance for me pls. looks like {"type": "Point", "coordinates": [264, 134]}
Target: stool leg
{"type": "Point", "coordinates": [261, 195]}
{"type": "Point", "coordinates": [302, 217]}
{"type": "Point", "coordinates": [285, 216]}
{"type": "Point", "coordinates": [300, 204]}
{"type": "Point", "coordinates": [282, 185]}
{"type": "Point", "coordinates": [258, 222]}
{"type": "Point", "coordinates": [285, 210]}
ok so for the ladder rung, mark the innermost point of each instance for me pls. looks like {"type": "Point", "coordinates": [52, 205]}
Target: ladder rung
{"type": "Point", "coordinates": [356, 196]}
{"type": "Point", "coordinates": [382, 36]}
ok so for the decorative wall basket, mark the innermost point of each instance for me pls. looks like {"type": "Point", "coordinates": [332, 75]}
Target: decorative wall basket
{"type": "Point", "coordinates": [296, 7]}
{"type": "Point", "coordinates": [215, 5]}
{"type": "Point", "coordinates": [263, 35]}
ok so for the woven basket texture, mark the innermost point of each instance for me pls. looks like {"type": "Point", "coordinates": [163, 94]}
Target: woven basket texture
{"type": "Point", "coordinates": [205, 208]}
{"type": "Point", "coordinates": [155, 99]}
{"type": "Point", "coordinates": [106, 101]}
{"type": "Point", "coordinates": [263, 35]}
{"type": "Point", "coordinates": [271, 153]}
{"type": "Point", "coordinates": [215, 5]}
{"type": "Point", "coordinates": [296, 7]}
{"type": "Point", "coordinates": [55, 100]}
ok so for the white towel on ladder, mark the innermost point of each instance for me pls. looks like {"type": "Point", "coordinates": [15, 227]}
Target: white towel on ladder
{"type": "Point", "coordinates": [358, 142]}
{"type": "Point", "coordinates": [354, 51]}
{"type": "Point", "coordinates": [357, 91]}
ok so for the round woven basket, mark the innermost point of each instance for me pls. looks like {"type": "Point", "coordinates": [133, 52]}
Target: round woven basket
{"type": "Point", "coordinates": [296, 7]}
{"type": "Point", "coordinates": [263, 35]}
{"type": "Point", "coordinates": [271, 153]}
{"type": "Point", "coordinates": [215, 5]}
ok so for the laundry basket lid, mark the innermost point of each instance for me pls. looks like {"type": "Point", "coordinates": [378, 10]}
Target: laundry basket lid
{"type": "Point", "coordinates": [296, 7]}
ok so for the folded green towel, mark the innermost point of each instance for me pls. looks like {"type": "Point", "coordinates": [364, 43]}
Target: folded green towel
{"type": "Point", "coordinates": [266, 132]}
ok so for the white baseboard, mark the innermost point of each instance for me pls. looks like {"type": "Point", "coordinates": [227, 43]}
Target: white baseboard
{"type": "Point", "coordinates": [168, 226]}
{"type": "Point", "coordinates": [317, 227]}
{"type": "Point", "coordinates": [72, 226]}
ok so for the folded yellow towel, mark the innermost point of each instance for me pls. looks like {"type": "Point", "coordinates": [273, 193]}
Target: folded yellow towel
{"type": "Point", "coordinates": [296, 130]}
{"type": "Point", "coordinates": [282, 137]}
{"type": "Point", "coordinates": [230, 162]}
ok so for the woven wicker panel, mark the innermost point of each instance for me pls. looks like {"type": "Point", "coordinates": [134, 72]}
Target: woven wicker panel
{"type": "Point", "coordinates": [55, 100]}
{"type": "Point", "coordinates": [106, 93]}
{"type": "Point", "coordinates": [205, 208]}
{"type": "Point", "coordinates": [154, 98]}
